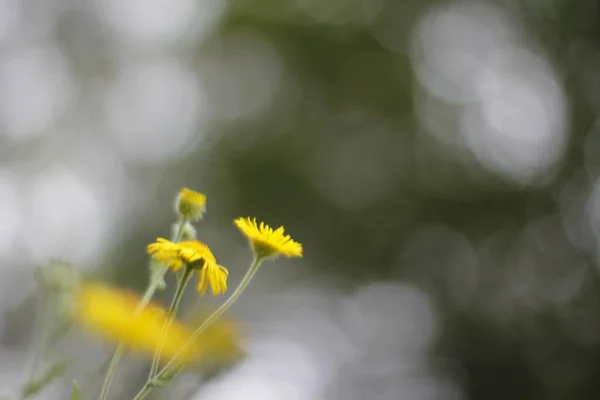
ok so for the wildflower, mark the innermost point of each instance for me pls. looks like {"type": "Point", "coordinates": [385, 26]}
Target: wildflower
{"type": "Point", "coordinates": [166, 252]}
{"type": "Point", "coordinates": [194, 254]}
{"type": "Point", "coordinates": [216, 276]}
{"type": "Point", "coordinates": [190, 204]}
{"type": "Point", "coordinates": [111, 313]}
{"type": "Point", "coordinates": [267, 242]}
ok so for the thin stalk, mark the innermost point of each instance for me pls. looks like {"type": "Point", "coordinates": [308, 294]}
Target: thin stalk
{"type": "Point", "coordinates": [93, 383]}
{"type": "Point", "coordinates": [148, 294]}
{"type": "Point", "coordinates": [144, 392]}
{"type": "Point", "coordinates": [112, 368]}
{"type": "Point", "coordinates": [213, 317]}
{"type": "Point", "coordinates": [218, 312]}
{"type": "Point", "coordinates": [169, 321]}
{"type": "Point", "coordinates": [39, 336]}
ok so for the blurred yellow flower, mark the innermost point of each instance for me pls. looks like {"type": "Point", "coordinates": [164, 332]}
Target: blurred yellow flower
{"type": "Point", "coordinates": [267, 242]}
{"type": "Point", "coordinates": [198, 256]}
{"type": "Point", "coordinates": [111, 313]}
{"type": "Point", "coordinates": [190, 204]}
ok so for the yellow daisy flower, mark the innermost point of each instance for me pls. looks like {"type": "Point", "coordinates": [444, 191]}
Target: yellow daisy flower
{"type": "Point", "coordinates": [166, 252]}
{"type": "Point", "coordinates": [216, 276]}
{"type": "Point", "coordinates": [196, 255]}
{"type": "Point", "coordinates": [193, 251]}
{"type": "Point", "coordinates": [267, 242]}
{"type": "Point", "coordinates": [111, 314]}
{"type": "Point", "coordinates": [191, 204]}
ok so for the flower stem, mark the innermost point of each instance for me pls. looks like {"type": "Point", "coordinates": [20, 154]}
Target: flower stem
{"type": "Point", "coordinates": [112, 368]}
{"type": "Point", "coordinates": [219, 311]}
{"type": "Point", "coordinates": [148, 294]}
{"type": "Point", "coordinates": [170, 317]}
{"type": "Point", "coordinates": [144, 392]}
{"type": "Point", "coordinates": [213, 317]}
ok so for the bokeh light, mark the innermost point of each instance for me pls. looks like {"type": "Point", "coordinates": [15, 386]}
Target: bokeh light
{"type": "Point", "coordinates": [160, 23]}
{"type": "Point", "coordinates": [36, 91]}
{"type": "Point", "coordinates": [154, 110]}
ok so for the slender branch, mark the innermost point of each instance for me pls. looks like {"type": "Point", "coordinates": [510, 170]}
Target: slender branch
{"type": "Point", "coordinates": [39, 336]}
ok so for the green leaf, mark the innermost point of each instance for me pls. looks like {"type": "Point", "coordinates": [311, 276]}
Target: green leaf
{"type": "Point", "coordinates": [34, 386]}
{"type": "Point", "coordinates": [76, 393]}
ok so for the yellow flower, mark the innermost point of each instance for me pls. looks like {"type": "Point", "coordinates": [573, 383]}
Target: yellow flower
{"type": "Point", "coordinates": [194, 251]}
{"type": "Point", "coordinates": [267, 242]}
{"type": "Point", "coordinates": [191, 204]}
{"type": "Point", "coordinates": [195, 254]}
{"type": "Point", "coordinates": [216, 276]}
{"type": "Point", "coordinates": [111, 314]}
{"type": "Point", "coordinates": [166, 252]}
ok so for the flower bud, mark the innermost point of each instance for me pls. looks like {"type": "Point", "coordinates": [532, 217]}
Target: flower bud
{"type": "Point", "coordinates": [190, 204]}
{"type": "Point", "coordinates": [58, 277]}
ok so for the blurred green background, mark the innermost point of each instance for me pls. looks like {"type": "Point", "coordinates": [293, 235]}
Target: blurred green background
{"type": "Point", "coordinates": [437, 160]}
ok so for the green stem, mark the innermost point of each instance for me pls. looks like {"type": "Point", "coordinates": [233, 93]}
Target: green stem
{"type": "Point", "coordinates": [218, 312]}
{"type": "Point", "coordinates": [144, 392]}
{"type": "Point", "coordinates": [169, 321]}
{"type": "Point", "coordinates": [213, 317]}
{"type": "Point", "coordinates": [93, 383]}
{"type": "Point", "coordinates": [39, 337]}
{"type": "Point", "coordinates": [148, 294]}
{"type": "Point", "coordinates": [112, 368]}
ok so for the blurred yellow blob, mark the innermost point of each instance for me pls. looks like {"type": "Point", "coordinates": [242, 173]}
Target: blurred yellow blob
{"type": "Point", "coordinates": [110, 313]}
